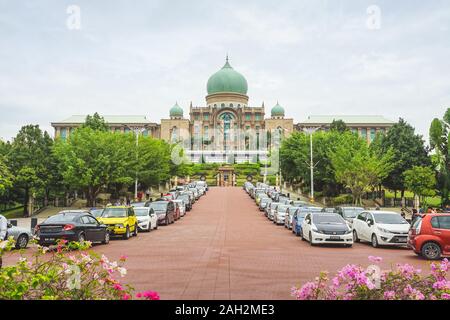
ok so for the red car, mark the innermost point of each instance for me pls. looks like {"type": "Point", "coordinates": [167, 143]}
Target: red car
{"type": "Point", "coordinates": [429, 236]}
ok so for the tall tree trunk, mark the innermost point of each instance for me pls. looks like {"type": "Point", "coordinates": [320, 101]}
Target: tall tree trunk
{"type": "Point", "coordinates": [25, 203]}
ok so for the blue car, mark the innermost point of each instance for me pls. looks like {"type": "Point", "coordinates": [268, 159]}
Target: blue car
{"type": "Point", "coordinates": [297, 222]}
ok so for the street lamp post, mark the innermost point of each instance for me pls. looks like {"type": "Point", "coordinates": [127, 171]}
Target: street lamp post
{"type": "Point", "coordinates": [137, 131]}
{"type": "Point", "coordinates": [311, 131]}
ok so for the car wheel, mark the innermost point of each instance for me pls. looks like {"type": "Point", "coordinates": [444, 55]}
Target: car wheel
{"type": "Point", "coordinates": [374, 241]}
{"type": "Point", "coordinates": [81, 237]}
{"type": "Point", "coordinates": [310, 240]}
{"type": "Point", "coordinates": [107, 237]}
{"type": "Point", "coordinates": [126, 236]}
{"type": "Point", "coordinates": [22, 241]}
{"type": "Point", "coordinates": [431, 251]}
{"type": "Point", "coordinates": [355, 237]}
{"type": "Point", "coordinates": [348, 245]}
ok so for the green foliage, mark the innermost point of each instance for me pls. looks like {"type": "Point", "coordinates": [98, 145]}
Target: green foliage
{"type": "Point", "coordinates": [95, 122]}
{"type": "Point", "coordinates": [90, 160]}
{"type": "Point", "coordinates": [339, 126]}
{"type": "Point", "coordinates": [69, 273]}
{"type": "Point", "coordinates": [440, 143]}
{"type": "Point", "coordinates": [357, 167]}
{"type": "Point", "coordinates": [342, 199]}
{"type": "Point", "coordinates": [421, 181]}
{"type": "Point", "coordinates": [6, 178]}
{"type": "Point", "coordinates": [409, 151]}
{"type": "Point", "coordinates": [154, 164]}
{"type": "Point", "coordinates": [30, 161]}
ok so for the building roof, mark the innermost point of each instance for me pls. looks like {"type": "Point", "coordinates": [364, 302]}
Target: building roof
{"type": "Point", "coordinates": [348, 119]}
{"type": "Point", "coordinates": [114, 119]}
{"type": "Point", "coordinates": [277, 111]}
{"type": "Point", "coordinates": [227, 80]}
{"type": "Point", "coordinates": [176, 111]}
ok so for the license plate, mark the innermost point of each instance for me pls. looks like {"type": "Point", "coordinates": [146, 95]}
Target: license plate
{"type": "Point", "coordinates": [335, 238]}
{"type": "Point", "coordinates": [49, 239]}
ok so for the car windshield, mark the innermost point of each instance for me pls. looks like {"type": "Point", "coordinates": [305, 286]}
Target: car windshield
{"type": "Point", "coordinates": [282, 209]}
{"type": "Point", "coordinates": [63, 217]}
{"type": "Point", "coordinates": [97, 212]}
{"type": "Point", "coordinates": [328, 219]}
{"type": "Point", "coordinates": [138, 204]}
{"type": "Point", "coordinates": [114, 213]}
{"type": "Point", "coordinates": [159, 205]}
{"type": "Point", "coordinates": [141, 212]}
{"type": "Point", "coordinates": [352, 212]}
{"type": "Point", "coordinates": [389, 218]}
{"type": "Point", "coordinates": [264, 200]}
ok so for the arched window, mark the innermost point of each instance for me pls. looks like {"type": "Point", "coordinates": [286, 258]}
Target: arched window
{"type": "Point", "coordinates": [174, 136]}
{"type": "Point", "coordinates": [223, 105]}
{"type": "Point", "coordinates": [231, 105]}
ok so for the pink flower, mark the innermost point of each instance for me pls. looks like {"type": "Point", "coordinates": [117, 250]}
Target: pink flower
{"type": "Point", "coordinates": [445, 296]}
{"type": "Point", "coordinates": [375, 259]}
{"type": "Point", "coordinates": [123, 258]}
{"type": "Point", "coordinates": [118, 287]}
{"type": "Point", "coordinates": [389, 295]}
{"type": "Point", "coordinates": [149, 295]}
{"type": "Point", "coordinates": [441, 285]}
{"type": "Point", "coordinates": [126, 296]}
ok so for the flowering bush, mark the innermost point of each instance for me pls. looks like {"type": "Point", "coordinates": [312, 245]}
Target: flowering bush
{"type": "Point", "coordinates": [68, 273]}
{"type": "Point", "coordinates": [404, 282]}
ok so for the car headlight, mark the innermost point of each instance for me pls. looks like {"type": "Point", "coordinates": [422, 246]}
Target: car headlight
{"type": "Point", "coordinates": [316, 230]}
{"type": "Point", "coordinates": [384, 230]}
{"type": "Point", "coordinates": [348, 231]}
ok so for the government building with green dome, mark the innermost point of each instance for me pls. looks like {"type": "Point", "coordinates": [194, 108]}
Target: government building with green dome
{"type": "Point", "coordinates": [226, 129]}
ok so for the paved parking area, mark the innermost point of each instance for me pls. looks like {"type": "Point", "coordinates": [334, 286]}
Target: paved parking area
{"type": "Point", "coordinates": [226, 249]}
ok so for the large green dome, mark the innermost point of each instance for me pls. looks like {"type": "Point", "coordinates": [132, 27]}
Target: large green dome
{"type": "Point", "coordinates": [227, 80]}
{"type": "Point", "coordinates": [277, 111]}
{"type": "Point", "coordinates": [176, 111]}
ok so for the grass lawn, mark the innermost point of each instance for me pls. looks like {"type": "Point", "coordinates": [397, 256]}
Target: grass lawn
{"type": "Point", "coordinates": [431, 201]}
{"type": "Point", "coordinates": [13, 214]}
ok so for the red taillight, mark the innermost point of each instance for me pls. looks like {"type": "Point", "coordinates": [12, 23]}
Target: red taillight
{"type": "Point", "coordinates": [68, 227]}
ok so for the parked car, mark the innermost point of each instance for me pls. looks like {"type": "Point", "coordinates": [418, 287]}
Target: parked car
{"type": "Point", "coordinates": [280, 214]}
{"type": "Point", "coordinates": [264, 203]}
{"type": "Point", "coordinates": [180, 207]}
{"type": "Point", "coordinates": [329, 210]}
{"type": "Point", "coordinates": [381, 228]}
{"type": "Point", "coordinates": [195, 192]}
{"type": "Point", "coordinates": [297, 221]}
{"type": "Point", "coordinates": [97, 212]}
{"type": "Point", "coordinates": [147, 218]}
{"type": "Point", "coordinates": [202, 184]}
{"type": "Point", "coordinates": [121, 221]}
{"type": "Point", "coordinates": [289, 216]}
{"type": "Point", "coordinates": [349, 213]}
{"type": "Point", "coordinates": [72, 226]}
{"type": "Point", "coordinates": [299, 203]}
{"type": "Point", "coordinates": [272, 209]}
{"type": "Point", "coordinates": [429, 236]}
{"type": "Point", "coordinates": [21, 235]}
{"type": "Point", "coordinates": [186, 200]}
{"type": "Point", "coordinates": [326, 228]}
{"type": "Point", "coordinates": [165, 210]}
{"type": "Point", "coordinates": [259, 196]}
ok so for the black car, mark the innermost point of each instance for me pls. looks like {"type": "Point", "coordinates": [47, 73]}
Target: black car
{"type": "Point", "coordinates": [71, 226]}
{"type": "Point", "coordinates": [165, 210]}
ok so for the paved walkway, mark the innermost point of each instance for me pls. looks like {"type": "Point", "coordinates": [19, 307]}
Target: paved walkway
{"type": "Point", "coordinates": [226, 249]}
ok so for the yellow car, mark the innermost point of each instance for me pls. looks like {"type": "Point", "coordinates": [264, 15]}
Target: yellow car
{"type": "Point", "coordinates": [121, 221]}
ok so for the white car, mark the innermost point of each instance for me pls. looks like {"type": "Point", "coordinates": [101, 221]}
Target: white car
{"type": "Point", "coordinates": [272, 209]}
{"type": "Point", "coordinates": [147, 219]}
{"type": "Point", "coordinates": [280, 214]}
{"type": "Point", "coordinates": [381, 228]}
{"type": "Point", "coordinates": [182, 207]}
{"type": "Point", "coordinates": [290, 216]}
{"type": "Point", "coordinates": [326, 228]}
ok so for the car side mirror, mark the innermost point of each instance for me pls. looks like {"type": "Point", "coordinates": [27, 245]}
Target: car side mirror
{"type": "Point", "coordinates": [9, 225]}
{"type": "Point", "coordinates": [370, 222]}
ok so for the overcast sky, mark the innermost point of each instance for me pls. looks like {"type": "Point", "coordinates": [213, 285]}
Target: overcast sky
{"type": "Point", "coordinates": [139, 57]}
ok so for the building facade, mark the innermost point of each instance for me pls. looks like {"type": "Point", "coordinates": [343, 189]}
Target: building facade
{"type": "Point", "coordinates": [227, 129]}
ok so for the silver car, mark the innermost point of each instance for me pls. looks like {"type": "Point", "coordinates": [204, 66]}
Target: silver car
{"type": "Point", "coordinates": [21, 235]}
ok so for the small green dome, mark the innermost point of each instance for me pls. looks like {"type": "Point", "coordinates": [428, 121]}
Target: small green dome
{"type": "Point", "coordinates": [277, 111]}
{"type": "Point", "coordinates": [227, 80]}
{"type": "Point", "coordinates": [176, 111]}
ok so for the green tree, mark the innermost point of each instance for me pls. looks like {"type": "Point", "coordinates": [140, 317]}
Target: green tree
{"type": "Point", "coordinates": [6, 178]}
{"type": "Point", "coordinates": [357, 167]}
{"type": "Point", "coordinates": [29, 159]}
{"type": "Point", "coordinates": [440, 143]}
{"type": "Point", "coordinates": [339, 126]}
{"type": "Point", "coordinates": [409, 151]}
{"type": "Point", "coordinates": [154, 165]}
{"type": "Point", "coordinates": [95, 122]}
{"type": "Point", "coordinates": [421, 181]}
{"type": "Point", "coordinates": [91, 159]}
